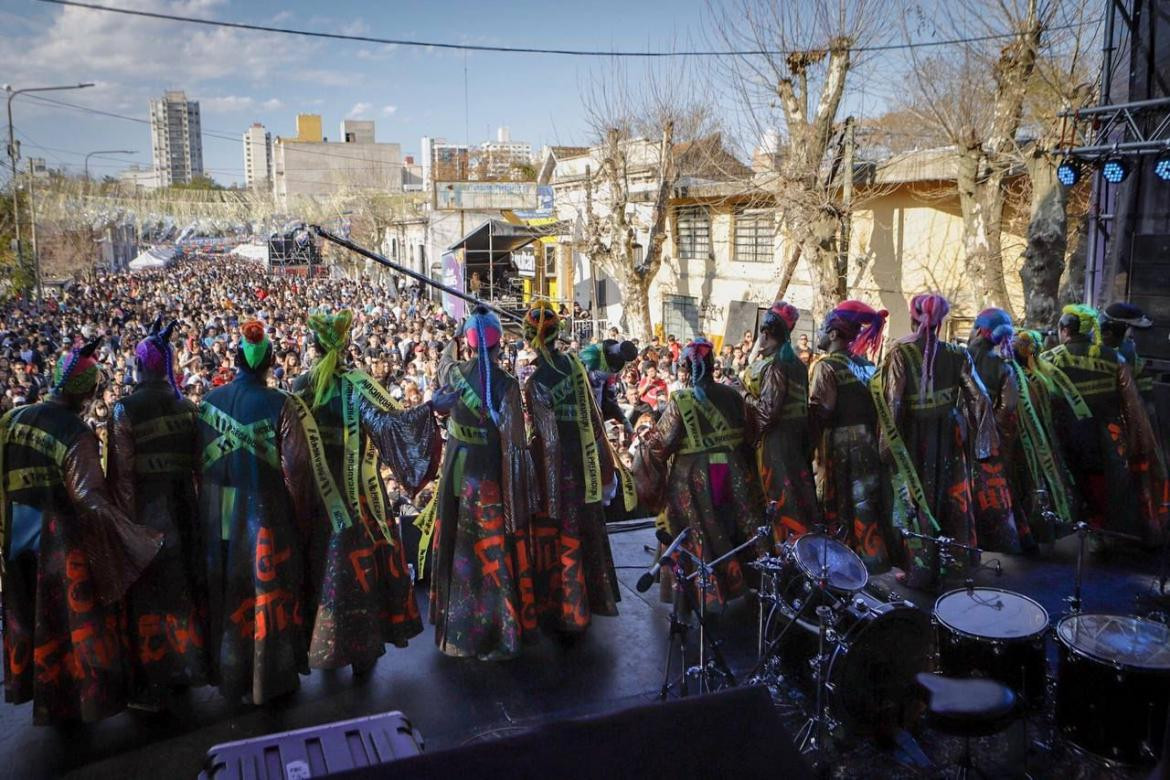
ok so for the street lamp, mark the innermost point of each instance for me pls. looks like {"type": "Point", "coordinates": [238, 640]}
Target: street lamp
{"type": "Point", "coordinates": [13, 156]}
{"type": "Point", "coordinates": [104, 151]}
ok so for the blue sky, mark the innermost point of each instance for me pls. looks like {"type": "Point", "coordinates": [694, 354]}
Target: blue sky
{"type": "Point", "coordinates": [241, 76]}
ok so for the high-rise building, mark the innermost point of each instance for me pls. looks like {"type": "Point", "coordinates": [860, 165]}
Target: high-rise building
{"type": "Point", "coordinates": [176, 139]}
{"type": "Point", "coordinates": [258, 158]}
{"type": "Point", "coordinates": [503, 159]}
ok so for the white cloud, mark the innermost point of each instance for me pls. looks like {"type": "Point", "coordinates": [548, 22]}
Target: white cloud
{"type": "Point", "coordinates": [389, 110]}
{"type": "Point", "coordinates": [359, 109]}
{"type": "Point", "coordinates": [132, 52]}
{"type": "Point", "coordinates": [225, 105]}
{"type": "Point", "coordinates": [272, 104]}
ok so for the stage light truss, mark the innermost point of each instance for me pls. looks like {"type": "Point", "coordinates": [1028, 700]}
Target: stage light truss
{"type": "Point", "coordinates": [1118, 132]}
{"type": "Point", "coordinates": [1118, 129]}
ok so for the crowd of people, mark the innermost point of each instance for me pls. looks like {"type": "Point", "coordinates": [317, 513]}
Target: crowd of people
{"type": "Point", "coordinates": [202, 467]}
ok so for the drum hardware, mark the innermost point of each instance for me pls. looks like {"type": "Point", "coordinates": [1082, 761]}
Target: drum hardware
{"type": "Point", "coordinates": [716, 666]}
{"type": "Point", "coordinates": [1083, 530]}
{"type": "Point", "coordinates": [812, 736]}
{"type": "Point", "coordinates": [945, 546]}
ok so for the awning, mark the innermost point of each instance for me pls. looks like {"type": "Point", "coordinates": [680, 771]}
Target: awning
{"type": "Point", "coordinates": [494, 240]}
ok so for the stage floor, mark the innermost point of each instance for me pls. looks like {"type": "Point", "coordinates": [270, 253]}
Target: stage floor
{"type": "Point", "coordinates": [618, 663]}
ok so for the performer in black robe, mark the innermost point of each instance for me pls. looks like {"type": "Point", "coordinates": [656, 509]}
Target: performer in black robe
{"type": "Point", "coordinates": [254, 504]}
{"type": "Point", "coordinates": [70, 556]}
{"type": "Point", "coordinates": [152, 474]}
{"type": "Point", "coordinates": [362, 589]}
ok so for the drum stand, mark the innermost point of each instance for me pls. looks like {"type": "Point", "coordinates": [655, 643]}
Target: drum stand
{"type": "Point", "coordinates": [814, 734]}
{"type": "Point", "coordinates": [716, 666]}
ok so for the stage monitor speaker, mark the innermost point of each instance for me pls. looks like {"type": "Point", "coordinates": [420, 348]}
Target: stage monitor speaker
{"type": "Point", "coordinates": [734, 733]}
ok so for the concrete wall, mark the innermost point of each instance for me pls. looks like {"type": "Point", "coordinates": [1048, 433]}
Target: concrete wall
{"type": "Point", "coordinates": [327, 168]}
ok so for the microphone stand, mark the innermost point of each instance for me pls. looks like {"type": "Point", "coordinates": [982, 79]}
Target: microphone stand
{"type": "Point", "coordinates": [1083, 530]}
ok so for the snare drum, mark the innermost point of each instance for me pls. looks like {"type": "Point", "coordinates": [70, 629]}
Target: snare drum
{"type": "Point", "coordinates": [990, 632]}
{"type": "Point", "coordinates": [1113, 685]}
{"type": "Point", "coordinates": [818, 555]}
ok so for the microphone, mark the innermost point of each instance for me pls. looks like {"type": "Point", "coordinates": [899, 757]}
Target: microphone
{"type": "Point", "coordinates": [647, 578]}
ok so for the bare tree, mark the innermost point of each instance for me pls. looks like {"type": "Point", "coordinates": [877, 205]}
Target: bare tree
{"type": "Point", "coordinates": [974, 94]}
{"type": "Point", "coordinates": [639, 127]}
{"type": "Point", "coordinates": [790, 88]}
{"type": "Point", "coordinates": [1065, 80]}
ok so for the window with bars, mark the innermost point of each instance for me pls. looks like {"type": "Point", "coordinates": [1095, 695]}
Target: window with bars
{"type": "Point", "coordinates": [693, 240]}
{"type": "Point", "coordinates": [753, 236]}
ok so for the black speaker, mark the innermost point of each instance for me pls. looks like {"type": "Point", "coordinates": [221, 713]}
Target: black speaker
{"type": "Point", "coordinates": [1149, 288]}
{"type": "Point", "coordinates": [734, 733]}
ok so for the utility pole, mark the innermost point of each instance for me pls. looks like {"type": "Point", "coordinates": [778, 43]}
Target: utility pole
{"type": "Point", "coordinates": [13, 156]}
{"type": "Point", "coordinates": [32, 222]}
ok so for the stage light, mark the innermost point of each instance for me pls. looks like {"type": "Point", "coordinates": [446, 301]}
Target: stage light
{"type": "Point", "coordinates": [1068, 172]}
{"type": "Point", "coordinates": [1162, 166]}
{"type": "Point", "coordinates": [1114, 169]}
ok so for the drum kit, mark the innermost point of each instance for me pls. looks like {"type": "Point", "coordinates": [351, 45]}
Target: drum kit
{"type": "Point", "coordinates": [821, 626]}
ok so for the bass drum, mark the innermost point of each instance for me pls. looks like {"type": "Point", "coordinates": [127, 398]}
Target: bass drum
{"type": "Point", "coordinates": [990, 632]}
{"type": "Point", "coordinates": [1113, 685]}
{"type": "Point", "coordinates": [871, 671]}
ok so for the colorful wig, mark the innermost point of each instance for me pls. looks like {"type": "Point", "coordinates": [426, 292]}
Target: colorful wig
{"type": "Point", "coordinates": [1084, 319]}
{"type": "Point", "coordinates": [155, 354]}
{"type": "Point", "coordinates": [862, 325]}
{"type": "Point", "coordinates": [778, 322]}
{"type": "Point", "coordinates": [927, 312]}
{"type": "Point", "coordinates": [76, 372]}
{"type": "Point", "coordinates": [700, 356]}
{"type": "Point", "coordinates": [483, 331]}
{"type": "Point", "coordinates": [995, 326]}
{"type": "Point", "coordinates": [331, 332]}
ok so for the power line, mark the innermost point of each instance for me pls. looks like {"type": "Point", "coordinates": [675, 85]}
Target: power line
{"type": "Point", "coordinates": [529, 50]}
{"type": "Point", "coordinates": [216, 135]}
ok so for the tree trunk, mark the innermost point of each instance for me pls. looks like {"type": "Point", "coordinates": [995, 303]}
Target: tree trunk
{"type": "Point", "coordinates": [981, 205]}
{"type": "Point", "coordinates": [1044, 259]}
{"type": "Point", "coordinates": [1072, 287]}
{"type": "Point", "coordinates": [635, 291]}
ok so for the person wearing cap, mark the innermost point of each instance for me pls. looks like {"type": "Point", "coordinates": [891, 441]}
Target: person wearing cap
{"type": "Point", "coordinates": [1118, 322]}
{"type": "Point", "coordinates": [362, 592]}
{"type": "Point", "coordinates": [574, 571]}
{"type": "Point", "coordinates": [604, 361]}
{"type": "Point", "coordinates": [481, 600]}
{"type": "Point", "coordinates": [70, 555]}
{"type": "Point", "coordinates": [777, 403]}
{"type": "Point", "coordinates": [1098, 448]}
{"type": "Point", "coordinates": [998, 527]}
{"type": "Point", "coordinates": [925, 393]}
{"type": "Point", "coordinates": [255, 497]}
{"type": "Point", "coordinates": [152, 473]}
{"type": "Point", "coordinates": [696, 465]}
{"type": "Point", "coordinates": [844, 422]}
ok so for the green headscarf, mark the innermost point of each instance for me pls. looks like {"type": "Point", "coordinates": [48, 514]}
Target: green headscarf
{"type": "Point", "coordinates": [332, 334]}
